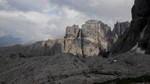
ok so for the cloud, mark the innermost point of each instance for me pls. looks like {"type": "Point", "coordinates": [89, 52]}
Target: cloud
{"type": "Point", "coordinates": [4, 4]}
{"type": "Point", "coordinates": [32, 20]}
{"type": "Point", "coordinates": [112, 10]}
{"type": "Point", "coordinates": [2, 34]}
{"type": "Point", "coordinates": [28, 5]}
{"type": "Point", "coordinates": [26, 25]}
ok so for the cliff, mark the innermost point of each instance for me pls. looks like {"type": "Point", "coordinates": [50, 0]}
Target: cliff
{"type": "Point", "coordinates": [92, 39]}
{"type": "Point", "coordinates": [119, 29]}
{"type": "Point", "coordinates": [136, 38]}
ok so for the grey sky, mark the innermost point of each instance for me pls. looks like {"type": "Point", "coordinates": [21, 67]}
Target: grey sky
{"type": "Point", "coordinates": [33, 20]}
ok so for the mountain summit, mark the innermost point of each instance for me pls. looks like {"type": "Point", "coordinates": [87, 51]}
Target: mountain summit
{"type": "Point", "coordinates": [92, 39]}
{"type": "Point", "coordinates": [137, 36]}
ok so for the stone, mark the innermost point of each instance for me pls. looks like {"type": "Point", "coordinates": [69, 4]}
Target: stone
{"type": "Point", "coordinates": [57, 48]}
{"type": "Point", "coordinates": [95, 36]}
{"type": "Point", "coordinates": [40, 48]}
{"type": "Point", "coordinates": [72, 42]}
{"type": "Point", "coordinates": [119, 29]}
{"type": "Point", "coordinates": [138, 32]}
{"type": "Point", "coordinates": [72, 32]}
{"type": "Point", "coordinates": [70, 69]}
{"type": "Point", "coordinates": [141, 8]}
{"type": "Point", "coordinates": [90, 40]}
{"type": "Point", "coordinates": [93, 39]}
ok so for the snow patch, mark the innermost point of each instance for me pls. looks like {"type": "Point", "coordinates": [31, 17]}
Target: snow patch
{"type": "Point", "coordinates": [143, 32]}
{"type": "Point", "coordinates": [139, 50]}
{"type": "Point", "coordinates": [135, 47]}
{"type": "Point", "coordinates": [116, 36]}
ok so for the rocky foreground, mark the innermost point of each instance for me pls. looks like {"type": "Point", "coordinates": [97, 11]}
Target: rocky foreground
{"type": "Point", "coordinates": [81, 56]}
{"type": "Point", "coordinates": [70, 69]}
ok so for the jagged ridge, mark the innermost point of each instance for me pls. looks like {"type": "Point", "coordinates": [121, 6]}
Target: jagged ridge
{"type": "Point", "coordinates": [94, 38]}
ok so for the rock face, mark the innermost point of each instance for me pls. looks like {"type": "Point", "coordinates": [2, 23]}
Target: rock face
{"type": "Point", "coordinates": [41, 48]}
{"type": "Point", "coordinates": [119, 29]}
{"type": "Point", "coordinates": [91, 39]}
{"type": "Point", "coordinates": [56, 48]}
{"type": "Point", "coordinates": [28, 50]}
{"type": "Point", "coordinates": [95, 37]}
{"type": "Point", "coordinates": [137, 36]}
{"type": "Point", "coordinates": [72, 42]}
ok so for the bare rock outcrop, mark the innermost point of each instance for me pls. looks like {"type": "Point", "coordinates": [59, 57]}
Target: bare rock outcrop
{"type": "Point", "coordinates": [90, 40]}
{"type": "Point", "coordinates": [95, 37]}
{"type": "Point", "coordinates": [40, 48]}
{"type": "Point", "coordinates": [137, 35]}
{"type": "Point", "coordinates": [72, 40]}
{"type": "Point", "coordinates": [119, 29]}
{"type": "Point", "coordinates": [57, 48]}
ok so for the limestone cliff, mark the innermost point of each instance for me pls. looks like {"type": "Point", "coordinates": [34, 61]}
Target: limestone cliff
{"type": "Point", "coordinates": [119, 29]}
{"type": "Point", "coordinates": [137, 36]}
{"type": "Point", "coordinates": [72, 40]}
{"type": "Point", "coordinates": [92, 39]}
{"type": "Point", "coordinates": [95, 37]}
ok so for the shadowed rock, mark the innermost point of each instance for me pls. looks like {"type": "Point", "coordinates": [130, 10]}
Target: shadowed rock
{"type": "Point", "coordinates": [119, 29]}
{"type": "Point", "coordinates": [137, 36]}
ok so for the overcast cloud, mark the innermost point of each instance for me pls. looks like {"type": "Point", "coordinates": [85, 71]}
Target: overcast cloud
{"type": "Point", "coordinates": [33, 20]}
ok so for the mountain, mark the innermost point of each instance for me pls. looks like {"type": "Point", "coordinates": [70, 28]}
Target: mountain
{"type": "Point", "coordinates": [119, 29]}
{"type": "Point", "coordinates": [59, 61]}
{"type": "Point", "coordinates": [136, 37]}
{"type": "Point", "coordinates": [9, 40]}
{"type": "Point", "coordinates": [93, 39]}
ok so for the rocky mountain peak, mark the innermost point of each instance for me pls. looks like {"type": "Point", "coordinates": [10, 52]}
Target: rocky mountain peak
{"type": "Point", "coordinates": [91, 22]}
{"type": "Point", "coordinates": [92, 39]}
{"type": "Point", "coordinates": [93, 29]}
{"type": "Point", "coordinates": [72, 31]}
{"type": "Point", "coordinates": [119, 29]}
{"type": "Point", "coordinates": [137, 36]}
{"type": "Point", "coordinates": [96, 36]}
{"type": "Point", "coordinates": [141, 8]}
